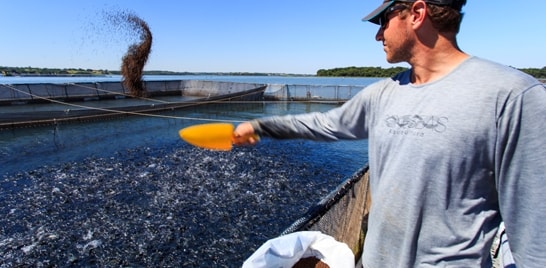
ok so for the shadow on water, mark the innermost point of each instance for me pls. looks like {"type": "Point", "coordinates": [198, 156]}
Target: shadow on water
{"type": "Point", "coordinates": [129, 192]}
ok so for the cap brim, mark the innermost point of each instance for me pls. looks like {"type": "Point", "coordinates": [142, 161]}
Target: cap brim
{"type": "Point", "coordinates": [373, 17]}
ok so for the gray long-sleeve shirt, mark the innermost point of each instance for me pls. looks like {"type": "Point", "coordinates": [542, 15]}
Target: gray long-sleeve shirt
{"type": "Point", "coordinates": [449, 160]}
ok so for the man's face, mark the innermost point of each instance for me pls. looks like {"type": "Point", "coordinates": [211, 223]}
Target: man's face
{"type": "Point", "coordinates": [394, 35]}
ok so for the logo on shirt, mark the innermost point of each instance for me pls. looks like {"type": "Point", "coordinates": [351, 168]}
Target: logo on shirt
{"type": "Point", "coordinates": [415, 125]}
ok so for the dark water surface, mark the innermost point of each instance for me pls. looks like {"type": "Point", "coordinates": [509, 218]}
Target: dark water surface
{"type": "Point", "coordinates": [129, 192]}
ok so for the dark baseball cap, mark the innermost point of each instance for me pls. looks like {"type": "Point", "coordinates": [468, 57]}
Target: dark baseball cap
{"type": "Point", "coordinates": [374, 16]}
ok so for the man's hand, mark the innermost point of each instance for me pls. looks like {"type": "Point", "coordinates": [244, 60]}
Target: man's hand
{"type": "Point", "coordinates": [244, 135]}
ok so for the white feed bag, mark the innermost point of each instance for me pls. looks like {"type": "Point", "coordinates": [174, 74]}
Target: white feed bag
{"type": "Point", "coordinates": [287, 250]}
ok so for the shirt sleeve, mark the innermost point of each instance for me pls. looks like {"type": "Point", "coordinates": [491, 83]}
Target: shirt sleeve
{"type": "Point", "coordinates": [521, 174]}
{"type": "Point", "coordinates": [346, 122]}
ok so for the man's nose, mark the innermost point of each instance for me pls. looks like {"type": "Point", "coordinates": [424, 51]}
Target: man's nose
{"type": "Point", "coordinates": [379, 34]}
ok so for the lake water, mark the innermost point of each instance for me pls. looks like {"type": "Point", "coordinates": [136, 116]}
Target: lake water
{"type": "Point", "coordinates": [290, 80]}
{"type": "Point", "coordinates": [130, 192]}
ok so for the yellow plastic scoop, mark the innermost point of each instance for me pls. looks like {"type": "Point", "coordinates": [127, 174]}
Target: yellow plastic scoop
{"type": "Point", "coordinates": [214, 136]}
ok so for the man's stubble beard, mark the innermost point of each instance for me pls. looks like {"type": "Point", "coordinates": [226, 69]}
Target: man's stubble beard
{"type": "Point", "coordinates": [401, 53]}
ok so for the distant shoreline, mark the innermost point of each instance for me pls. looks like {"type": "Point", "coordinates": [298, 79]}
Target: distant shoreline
{"type": "Point", "coordinates": [542, 80]}
{"type": "Point", "coordinates": [355, 72]}
{"type": "Point", "coordinates": [152, 73]}
{"type": "Point", "coordinates": [58, 75]}
{"type": "Point", "coordinates": [72, 72]}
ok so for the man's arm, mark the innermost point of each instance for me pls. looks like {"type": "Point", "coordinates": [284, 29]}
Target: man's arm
{"type": "Point", "coordinates": [521, 175]}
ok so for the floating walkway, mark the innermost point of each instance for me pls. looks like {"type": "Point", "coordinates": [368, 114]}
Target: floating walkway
{"type": "Point", "coordinates": [33, 104]}
{"type": "Point", "coordinates": [42, 104]}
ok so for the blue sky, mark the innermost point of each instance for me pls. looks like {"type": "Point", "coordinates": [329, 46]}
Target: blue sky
{"type": "Point", "coordinates": [280, 36]}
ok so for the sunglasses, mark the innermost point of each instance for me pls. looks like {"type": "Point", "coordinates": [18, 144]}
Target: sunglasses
{"type": "Point", "coordinates": [384, 18]}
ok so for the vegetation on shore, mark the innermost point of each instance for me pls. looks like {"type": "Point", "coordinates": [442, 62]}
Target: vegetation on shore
{"type": "Point", "coordinates": [335, 72]}
{"type": "Point", "coordinates": [361, 71]}
{"type": "Point", "coordinates": [388, 72]}
{"type": "Point", "coordinates": [33, 71]}
{"type": "Point", "coordinates": [536, 72]}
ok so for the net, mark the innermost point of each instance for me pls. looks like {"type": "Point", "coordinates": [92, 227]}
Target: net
{"type": "Point", "coordinates": [342, 214]}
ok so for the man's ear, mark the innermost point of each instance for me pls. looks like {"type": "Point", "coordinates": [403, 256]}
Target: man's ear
{"type": "Point", "coordinates": [418, 13]}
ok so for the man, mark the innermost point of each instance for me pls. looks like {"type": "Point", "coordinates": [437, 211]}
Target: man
{"type": "Point", "coordinates": [456, 145]}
